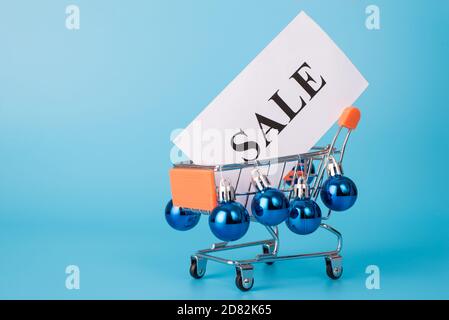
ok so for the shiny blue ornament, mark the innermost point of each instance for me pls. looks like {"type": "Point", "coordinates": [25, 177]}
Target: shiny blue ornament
{"type": "Point", "coordinates": [338, 193]}
{"type": "Point", "coordinates": [181, 219]}
{"type": "Point", "coordinates": [270, 206]}
{"type": "Point", "coordinates": [229, 221]}
{"type": "Point", "coordinates": [304, 216]}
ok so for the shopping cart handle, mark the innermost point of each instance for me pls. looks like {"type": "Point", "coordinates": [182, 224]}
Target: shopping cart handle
{"type": "Point", "coordinates": [349, 118]}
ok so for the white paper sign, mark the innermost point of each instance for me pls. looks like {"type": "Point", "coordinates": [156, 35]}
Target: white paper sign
{"type": "Point", "coordinates": [281, 104]}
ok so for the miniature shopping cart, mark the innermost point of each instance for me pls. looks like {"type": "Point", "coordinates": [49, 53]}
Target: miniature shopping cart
{"type": "Point", "coordinates": [194, 187]}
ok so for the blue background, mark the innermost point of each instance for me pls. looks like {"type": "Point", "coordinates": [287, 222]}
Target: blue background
{"type": "Point", "coordinates": [85, 122]}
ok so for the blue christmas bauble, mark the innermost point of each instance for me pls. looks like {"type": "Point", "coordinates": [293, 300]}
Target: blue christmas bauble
{"type": "Point", "coordinates": [229, 221]}
{"type": "Point", "coordinates": [304, 216]}
{"type": "Point", "coordinates": [270, 206]}
{"type": "Point", "coordinates": [338, 193]}
{"type": "Point", "coordinates": [179, 218]}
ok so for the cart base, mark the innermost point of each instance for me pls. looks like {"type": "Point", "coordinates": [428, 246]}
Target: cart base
{"type": "Point", "coordinates": [244, 279]}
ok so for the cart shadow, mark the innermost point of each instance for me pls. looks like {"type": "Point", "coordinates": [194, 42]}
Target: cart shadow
{"type": "Point", "coordinates": [398, 261]}
{"type": "Point", "coordinates": [405, 258]}
{"type": "Point", "coordinates": [268, 277]}
{"type": "Point", "coordinates": [311, 272]}
{"type": "Point", "coordinates": [299, 273]}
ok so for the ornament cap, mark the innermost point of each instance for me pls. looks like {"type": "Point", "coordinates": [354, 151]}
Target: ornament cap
{"type": "Point", "coordinates": [334, 168]}
{"type": "Point", "coordinates": [260, 180]}
{"type": "Point", "coordinates": [301, 189]}
{"type": "Point", "coordinates": [226, 191]}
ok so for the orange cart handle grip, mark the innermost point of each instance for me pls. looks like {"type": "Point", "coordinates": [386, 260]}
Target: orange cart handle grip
{"type": "Point", "coordinates": [349, 118]}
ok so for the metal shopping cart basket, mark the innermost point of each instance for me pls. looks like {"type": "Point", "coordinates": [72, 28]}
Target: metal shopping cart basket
{"type": "Point", "coordinates": [194, 188]}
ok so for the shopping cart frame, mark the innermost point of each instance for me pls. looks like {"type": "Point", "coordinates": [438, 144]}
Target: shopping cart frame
{"type": "Point", "coordinates": [244, 279]}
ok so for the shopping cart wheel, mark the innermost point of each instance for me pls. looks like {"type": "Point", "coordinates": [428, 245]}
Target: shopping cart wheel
{"type": "Point", "coordinates": [267, 250]}
{"type": "Point", "coordinates": [244, 277]}
{"type": "Point", "coordinates": [197, 267]}
{"type": "Point", "coordinates": [334, 268]}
